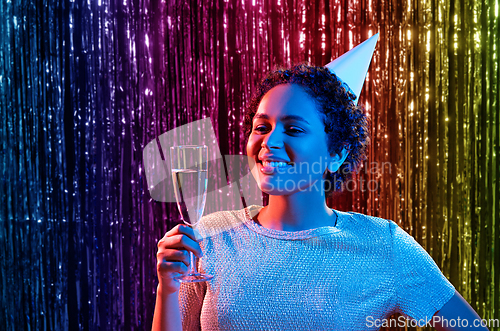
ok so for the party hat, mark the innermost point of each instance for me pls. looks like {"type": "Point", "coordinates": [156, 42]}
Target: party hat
{"type": "Point", "coordinates": [352, 66]}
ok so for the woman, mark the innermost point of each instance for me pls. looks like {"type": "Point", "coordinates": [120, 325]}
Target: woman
{"type": "Point", "coordinates": [297, 264]}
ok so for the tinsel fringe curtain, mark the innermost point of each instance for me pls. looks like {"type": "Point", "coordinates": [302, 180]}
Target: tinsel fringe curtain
{"type": "Point", "coordinates": [84, 86]}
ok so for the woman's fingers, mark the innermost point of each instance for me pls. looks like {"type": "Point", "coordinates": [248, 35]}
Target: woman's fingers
{"type": "Point", "coordinates": [170, 267]}
{"type": "Point", "coordinates": [180, 238]}
{"type": "Point", "coordinates": [174, 255]}
{"type": "Point", "coordinates": [180, 241]}
{"type": "Point", "coordinates": [182, 229]}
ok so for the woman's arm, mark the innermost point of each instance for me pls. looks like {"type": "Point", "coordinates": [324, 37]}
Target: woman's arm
{"type": "Point", "coordinates": [167, 315]}
{"type": "Point", "coordinates": [457, 314]}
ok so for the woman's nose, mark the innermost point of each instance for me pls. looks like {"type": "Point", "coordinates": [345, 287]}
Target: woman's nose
{"type": "Point", "coordinates": [272, 140]}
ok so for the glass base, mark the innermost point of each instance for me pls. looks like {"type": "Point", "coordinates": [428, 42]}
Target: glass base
{"type": "Point", "coordinates": [193, 278]}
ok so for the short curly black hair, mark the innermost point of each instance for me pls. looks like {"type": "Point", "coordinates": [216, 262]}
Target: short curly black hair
{"type": "Point", "coordinates": [346, 124]}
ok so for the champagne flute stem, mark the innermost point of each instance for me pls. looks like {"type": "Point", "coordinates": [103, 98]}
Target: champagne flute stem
{"type": "Point", "coordinates": [192, 264]}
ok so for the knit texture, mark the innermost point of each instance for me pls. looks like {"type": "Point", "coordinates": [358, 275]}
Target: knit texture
{"type": "Point", "coordinates": [330, 278]}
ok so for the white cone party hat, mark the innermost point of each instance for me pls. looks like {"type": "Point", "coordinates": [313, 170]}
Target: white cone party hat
{"type": "Point", "coordinates": [351, 67]}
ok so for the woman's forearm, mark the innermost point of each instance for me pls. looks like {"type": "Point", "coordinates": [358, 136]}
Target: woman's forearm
{"type": "Point", "coordinates": [167, 315]}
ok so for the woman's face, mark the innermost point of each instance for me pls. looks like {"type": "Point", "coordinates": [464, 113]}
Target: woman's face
{"type": "Point", "coordinates": [288, 143]}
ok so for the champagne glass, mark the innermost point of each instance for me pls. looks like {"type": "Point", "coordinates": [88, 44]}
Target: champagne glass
{"type": "Point", "coordinates": [189, 173]}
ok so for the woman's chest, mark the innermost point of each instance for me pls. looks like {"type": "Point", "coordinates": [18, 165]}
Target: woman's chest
{"type": "Point", "coordinates": [314, 285]}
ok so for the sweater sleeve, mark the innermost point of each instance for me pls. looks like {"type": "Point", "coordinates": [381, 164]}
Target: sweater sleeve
{"type": "Point", "coordinates": [421, 288]}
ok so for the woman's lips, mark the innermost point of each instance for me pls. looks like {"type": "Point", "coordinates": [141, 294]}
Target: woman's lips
{"type": "Point", "coordinates": [266, 170]}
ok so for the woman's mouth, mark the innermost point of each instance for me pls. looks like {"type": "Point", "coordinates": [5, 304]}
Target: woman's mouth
{"type": "Point", "coordinates": [275, 164]}
{"type": "Point", "coordinates": [270, 167]}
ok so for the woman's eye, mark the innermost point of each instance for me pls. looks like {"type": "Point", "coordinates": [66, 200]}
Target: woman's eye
{"type": "Point", "coordinates": [291, 129]}
{"type": "Point", "coordinates": [295, 130]}
{"type": "Point", "coordinates": [260, 128]}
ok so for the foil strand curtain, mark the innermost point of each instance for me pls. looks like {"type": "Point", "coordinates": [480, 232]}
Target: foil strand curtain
{"type": "Point", "coordinates": [85, 85]}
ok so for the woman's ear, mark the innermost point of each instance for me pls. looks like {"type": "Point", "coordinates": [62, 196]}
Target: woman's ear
{"type": "Point", "coordinates": [338, 159]}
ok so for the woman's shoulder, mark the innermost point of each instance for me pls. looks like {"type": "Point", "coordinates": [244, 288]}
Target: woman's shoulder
{"type": "Point", "coordinates": [366, 223]}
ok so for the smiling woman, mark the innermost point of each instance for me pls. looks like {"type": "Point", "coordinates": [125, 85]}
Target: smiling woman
{"type": "Point", "coordinates": [297, 264]}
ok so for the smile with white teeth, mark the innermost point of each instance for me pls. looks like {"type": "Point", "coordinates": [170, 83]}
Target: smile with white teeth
{"type": "Point", "coordinates": [275, 164]}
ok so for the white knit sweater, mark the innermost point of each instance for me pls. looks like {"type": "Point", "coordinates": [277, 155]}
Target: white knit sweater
{"type": "Point", "coordinates": [347, 277]}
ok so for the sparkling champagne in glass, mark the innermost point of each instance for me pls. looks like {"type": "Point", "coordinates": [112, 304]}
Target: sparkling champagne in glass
{"type": "Point", "coordinates": [189, 174]}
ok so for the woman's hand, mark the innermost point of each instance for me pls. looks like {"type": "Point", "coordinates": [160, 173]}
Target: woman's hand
{"type": "Point", "coordinates": [173, 256]}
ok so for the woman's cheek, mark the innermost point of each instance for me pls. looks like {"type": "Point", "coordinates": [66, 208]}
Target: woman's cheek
{"type": "Point", "coordinates": [250, 143]}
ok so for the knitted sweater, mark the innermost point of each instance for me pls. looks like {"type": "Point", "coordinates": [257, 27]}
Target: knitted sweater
{"type": "Point", "coordinates": [345, 277]}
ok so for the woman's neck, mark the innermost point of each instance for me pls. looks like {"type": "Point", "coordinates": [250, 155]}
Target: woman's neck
{"type": "Point", "coordinates": [296, 212]}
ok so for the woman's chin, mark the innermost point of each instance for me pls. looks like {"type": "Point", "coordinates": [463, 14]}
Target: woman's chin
{"type": "Point", "coordinates": [273, 192]}
{"type": "Point", "coordinates": [271, 189]}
